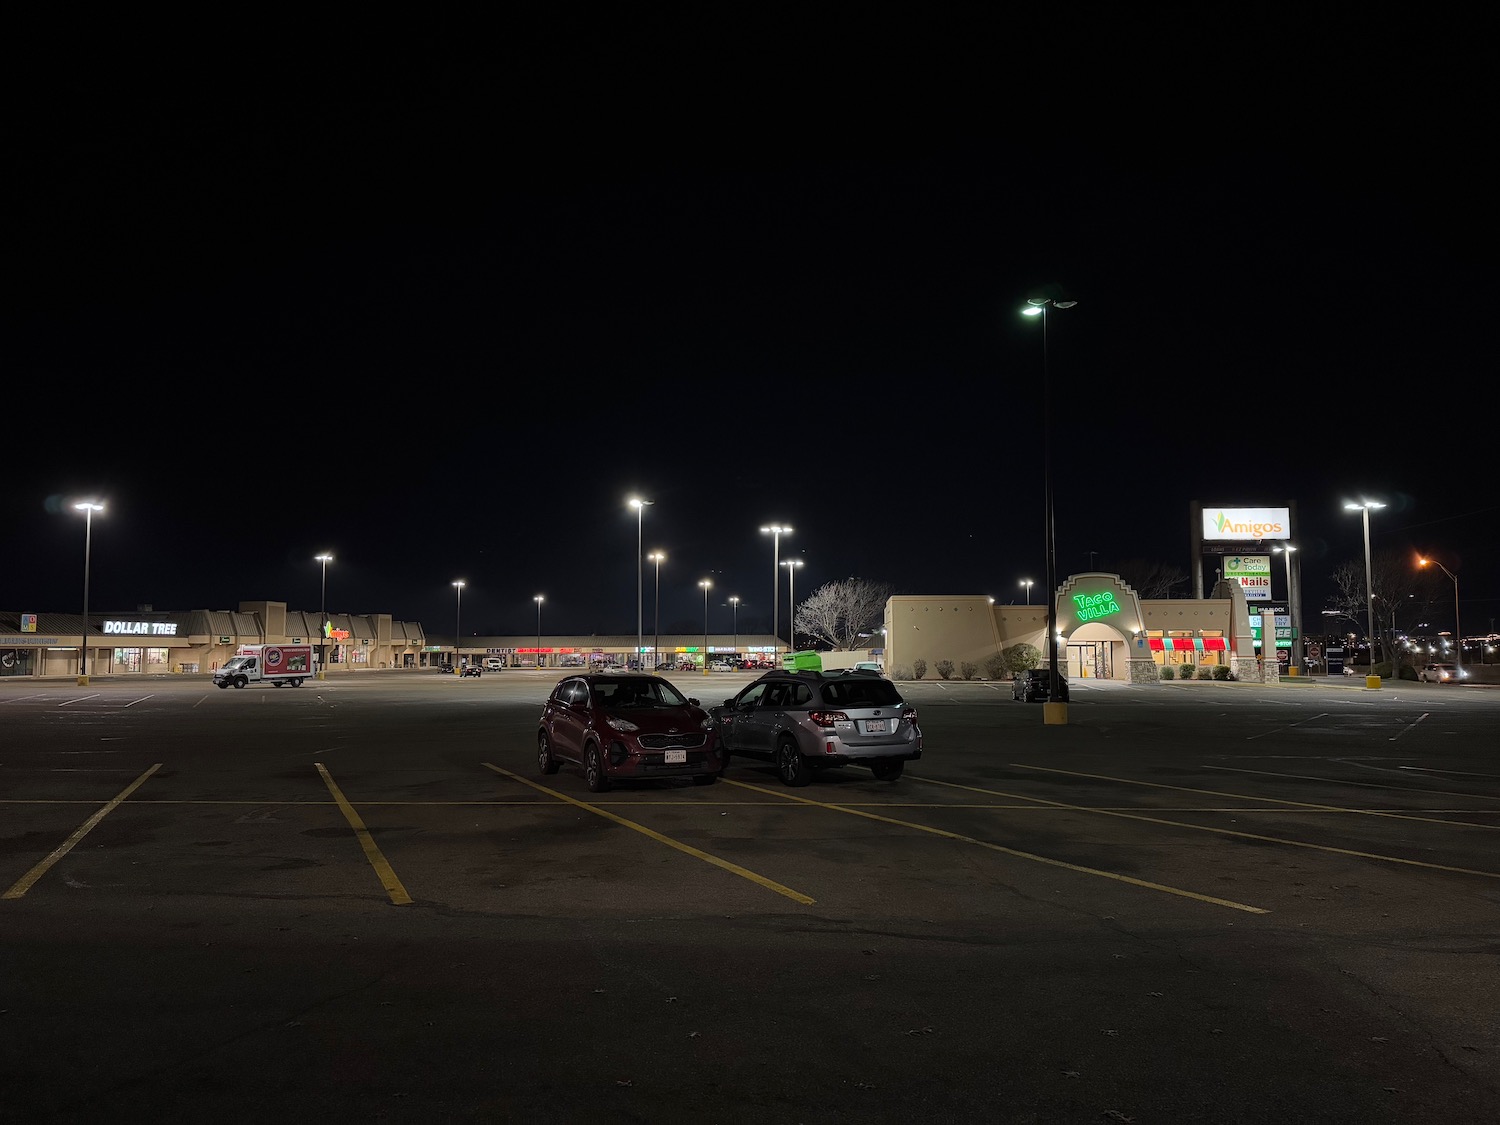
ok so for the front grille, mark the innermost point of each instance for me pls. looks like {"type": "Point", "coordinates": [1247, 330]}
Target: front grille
{"type": "Point", "coordinates": [684, 740]}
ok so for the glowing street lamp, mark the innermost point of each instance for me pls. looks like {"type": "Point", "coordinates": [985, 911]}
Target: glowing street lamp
{"type": "Point", "coordinates": [457, 618]}
{"type": "Point", "coordinates": [1458, 631]}
{"type": "Point", "coordinates": [325, 558]}
{"type": "Point", "coordinates": [707, 586]}
{"type": "Point", "coordinates": [792, 566]}
{"type": "Point", "coordinates": [658, 557]}
{"type": "Point", "coordinates": [88, 508]}
{"type": "Point", "coordinates": [1039, 306]}
{"type": "Point", "coordinates": [1363, 507]}
{"type": "Point", "coordinates": [640, 507]}
{"type": "Point", "coordinates": [1027, 582]}
{"type": "Point", "coordinates": [776, 531]}
{"type": "Point", "coordinates": [734, 604]}
{"type": "Point", "coordinates": [539, 599]}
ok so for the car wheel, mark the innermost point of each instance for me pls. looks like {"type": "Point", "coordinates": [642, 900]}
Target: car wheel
{"type": "Point", "coordinates": [887, 770]}
{"type": "Point", "coordinates": [593, 770]}
{"type": "Point", "coordinates": [240, 682]}
{"type": "Point", "coordinates": [545, 762]}
{"type": "Point", "coordinates": [790, 763]}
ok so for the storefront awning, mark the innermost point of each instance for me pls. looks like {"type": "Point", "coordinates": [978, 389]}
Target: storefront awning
{"type": "Point", "coordinates": [1187, 644]}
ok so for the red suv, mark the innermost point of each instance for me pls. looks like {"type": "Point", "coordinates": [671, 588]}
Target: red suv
{"type": "Point", "coordinates": [626, 726]}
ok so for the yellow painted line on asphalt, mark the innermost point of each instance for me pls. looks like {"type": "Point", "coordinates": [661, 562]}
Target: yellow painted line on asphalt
{"type": "Point", "coordinates": [24, 883]}
{"type": "Point", "coordinates": [1047, 860]}
{"type": "Point", "coordinates": [1215, 831]}
{"type": "Point", "coordinates": [686, 849]}
{"type": "Point", "coordinates": [383, 871]}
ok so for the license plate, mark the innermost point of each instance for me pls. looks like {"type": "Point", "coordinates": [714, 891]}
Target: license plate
{"type": "Point", "coordinates": [875, 726]}
{"type": "Point", "coordinates": [676, 757]}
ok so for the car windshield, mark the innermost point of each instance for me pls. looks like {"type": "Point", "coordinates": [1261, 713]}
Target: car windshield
{"type": "Point", "coordinates": [634, 692]}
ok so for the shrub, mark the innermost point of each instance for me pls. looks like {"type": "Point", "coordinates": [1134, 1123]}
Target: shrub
{"type": "Point", "coordinates": [1020, 657]}
{"type": "Point", "coordinates": [1221, 671]}
{"type": "Point", "coordinates": [1185, 671]}
{"type": "Point", "coordinates": [995, 666]}
{"type": "Point", "coordinates": [968, 669]}
{"type": "Point", "coordinates": [945, 669]}
{"type": "Point", "coordinates": [1166, 671]}
{"type": "Point", "coordinates": [902, 674]}
{"type": "Point", "coordinates": [1205, 672]}
{"type": "Point", "coordinates": [919, 668]}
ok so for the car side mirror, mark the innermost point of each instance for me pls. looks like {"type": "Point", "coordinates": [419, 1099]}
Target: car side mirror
{"type": "Point", "coordinates": [693, 702]}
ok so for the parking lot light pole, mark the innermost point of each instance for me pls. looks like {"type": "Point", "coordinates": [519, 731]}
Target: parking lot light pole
{"type": "Point", "coordinates": [776, 531]}
{"type": "Point", "coordinates": [640, 507]}
{"type": "Point", "coordinates": [1363, 507]}
{"type": "Point", "coordinates": [734, 605]}
{"type": "Point", "coordinates": [1458, 630]}
{"type": "Point", "coordinates": [325, 558]}
{"type": "Point", "coordinates": [707, 586]}
{"type": "Point", "coordinates": [539, 599]}
{"type": "Point", "coordinates": [458, 614]}
{"type": "Point", "coordinates": [1053, 710]}
{"type": "Point", "coordinates": [658, 557]}
{"type": "Point", "coordinates": [791, 587]}
{"type": "Point", "coordinates": [88, 508]}
{"type": "Point", "coordinates": [1027, 582]}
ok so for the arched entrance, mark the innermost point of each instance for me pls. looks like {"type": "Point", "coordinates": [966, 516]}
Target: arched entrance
{"type": "Point", "coordinates": [1096, 651]}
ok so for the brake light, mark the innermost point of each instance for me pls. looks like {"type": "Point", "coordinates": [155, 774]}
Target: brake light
{"type": "Point", "coordinates": [827, 718]}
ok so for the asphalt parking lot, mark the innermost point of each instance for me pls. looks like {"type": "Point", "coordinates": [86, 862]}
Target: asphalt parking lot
{"type": "Point", "coordinates": [360, 900]}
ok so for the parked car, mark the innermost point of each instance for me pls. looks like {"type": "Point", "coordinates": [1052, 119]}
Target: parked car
{"type": "Point", "coordinates": [1441, 674]}
{"type": "Point", "coordinates": [807, 721]}
{"type": "Point", "coordinates": [631, 726]}
{"type": "Point", "coordinates": [1032, 684]}
{"type": "Point", "coordinates": [471, 670]}
{"type": "Point", "coordinates": [721, 666]}
{"type": "Point", "coordinates": [494, 664]}
{"type": "Point", "coordinates": [869, 666]}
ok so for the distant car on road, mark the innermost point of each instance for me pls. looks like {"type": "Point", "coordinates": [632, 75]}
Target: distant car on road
{"type": "Point", "coordinates": [471, 670]}
{"type": "Point", "coordinates": [1032, 684]}
{"type": "Point", "coordinates": [1441, 674]}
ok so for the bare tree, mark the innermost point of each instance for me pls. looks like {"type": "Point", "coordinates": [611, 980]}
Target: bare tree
{"type": "Point", "coordinates": [1151, 580]}
{"type": "Point", "coordinates": [843, 614]}
{"type": "Point", "coordinates": [1399, 590]}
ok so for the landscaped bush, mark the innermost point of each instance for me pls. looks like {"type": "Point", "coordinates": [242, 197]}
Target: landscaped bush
{"type": "Point", "coordinates": [1166, 672]}
{"type": "Point", "coordinates": [902, 673]}
{"type": "Point", "coordinates": [919, 668]}
{"type": "Point", "coordinates": [968, 669]}
{"type": "Point", "coordinates": [995, 667]}
{"type": "Point", "coordinates": [1020, 657]}
{"type": "Point", "coordinates": [1221, 671]}
{"type": "Point", "coordinates": [1205, 672]}
{"type": "Point", "coordinates": [945, 669]}
{"type": "Point", "coordinates": [1185, 671]}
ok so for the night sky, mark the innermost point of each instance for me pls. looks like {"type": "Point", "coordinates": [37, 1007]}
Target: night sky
{"type": "Point", "coordinates": [441, 311]}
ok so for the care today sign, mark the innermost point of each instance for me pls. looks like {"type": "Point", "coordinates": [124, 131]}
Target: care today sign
{"type": "Point", "coordinates": [1253, 573]}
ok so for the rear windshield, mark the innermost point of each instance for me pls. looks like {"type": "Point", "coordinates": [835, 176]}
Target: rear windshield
{"type": "Point", "coordinates": [861, 693]}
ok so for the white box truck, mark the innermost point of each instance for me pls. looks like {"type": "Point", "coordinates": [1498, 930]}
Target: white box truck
{"type": "Point", "coordinates": [275, 664]}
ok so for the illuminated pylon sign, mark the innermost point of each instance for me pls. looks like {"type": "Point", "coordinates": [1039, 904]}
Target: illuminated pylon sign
{"type": "Point", "coordinates": [1093, 606]}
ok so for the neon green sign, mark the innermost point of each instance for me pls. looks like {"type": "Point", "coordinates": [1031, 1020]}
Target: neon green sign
{"type": "Point", "coordinates": [1091, 607]}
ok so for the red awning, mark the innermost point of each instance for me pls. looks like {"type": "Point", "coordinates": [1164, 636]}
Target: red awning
{"type": "Point", "coordinates": [1155, 643]}
{"type": "Point", "coordinates": [1183, 644]}
{"type": "Point", "coordinates": [1214, 644]}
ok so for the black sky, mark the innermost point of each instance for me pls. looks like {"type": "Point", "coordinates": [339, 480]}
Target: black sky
{"type": "Point", "coordinates": [441, 307]}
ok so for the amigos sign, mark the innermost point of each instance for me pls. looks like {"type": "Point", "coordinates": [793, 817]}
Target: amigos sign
{"type": "Point", "coordinates": [1229, 524]}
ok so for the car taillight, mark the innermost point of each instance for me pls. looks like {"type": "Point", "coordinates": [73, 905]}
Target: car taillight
{"type": "Point", "coordinates": [827, 718]}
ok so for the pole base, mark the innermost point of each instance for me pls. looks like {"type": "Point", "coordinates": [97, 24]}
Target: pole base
{"type": "Point", "coordinates": [1372, 681]}
{"type": "Point", "coordinates": [83, 681]}
{"type": "Point", "coordinates": [322, 675]}
{"type": "Point", "coordinates": [1055, 714]}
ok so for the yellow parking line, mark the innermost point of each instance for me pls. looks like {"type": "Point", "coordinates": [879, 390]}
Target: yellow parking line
{"type": "Point", "coordinates": [1178, 891]}
{"type": "Point", "coordinates": [686, 849]}
{"type": "Point", "coordinates": [383, 871]}
{"type": "Point", "coordinates": [23, 884]}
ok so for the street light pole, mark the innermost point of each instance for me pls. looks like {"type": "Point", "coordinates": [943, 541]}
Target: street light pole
{"type": "Point", "coordinates": [776, 531]}
{"type": "Point", "coordinates": [640, 507]}
{"type": "Point", "coordinates": [1294, 659]}
{"type": "Point", "coordinates": [88, 508]}
{"type": "Point", "coordinates": [539, 599]}
{"type": "Point", "coordinates": [1458, 630]}
{"type": "Point", "coordinates": [707, 585]}
{"type": "Point", "coordinates": [791, 588]}
{"type": "Point", "coordinates": [325, 558]}
{"type": "Point", "coordinates": [1364, 507]}
{"type": "Point", "coordinates": [458, 614]}
{"type": "Point", "coordinates": [734, 605]}
{"type": "Point", "coordinates": [658, 557]}
{"type": "Point", "coordinates": [1028, 584]}
{"type": "Point", "coordinates": [1053, 706]}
